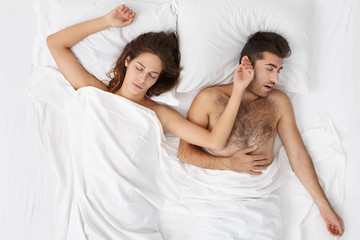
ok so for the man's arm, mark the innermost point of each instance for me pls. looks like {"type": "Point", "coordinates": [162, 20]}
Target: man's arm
{"type": "Point", "coordinates": [303, 167]}
{"type": "Point", "coordinates": [240, 162]}
{"type": "Point", "coordinates": [199, 113]}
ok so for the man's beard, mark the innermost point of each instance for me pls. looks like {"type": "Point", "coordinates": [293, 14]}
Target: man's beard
{"type": "Point", "coordinates": [256, 90]}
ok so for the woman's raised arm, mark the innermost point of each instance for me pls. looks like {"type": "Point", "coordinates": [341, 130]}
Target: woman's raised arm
{"type": "Point", "coordinates": [60, 43]}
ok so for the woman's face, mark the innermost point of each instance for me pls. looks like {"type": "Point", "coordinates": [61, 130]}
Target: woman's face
{"type": "Point", "coordinates": [142, 72]}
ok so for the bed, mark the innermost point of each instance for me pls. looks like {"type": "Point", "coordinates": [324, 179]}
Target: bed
{"type": "Point", "coordinates": [36, 170]}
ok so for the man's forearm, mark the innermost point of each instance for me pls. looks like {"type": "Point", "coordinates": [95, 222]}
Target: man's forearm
{"type": "Point", "coordinates": [305, 171]}
{"type": "Point", "coordinates": [193, 155]}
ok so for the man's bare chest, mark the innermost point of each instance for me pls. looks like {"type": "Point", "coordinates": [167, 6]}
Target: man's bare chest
{"type": "Point", "coordinates": [255, 123]}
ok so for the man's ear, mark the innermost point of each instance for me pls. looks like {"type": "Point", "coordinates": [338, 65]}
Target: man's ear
{"type": "Point", "coordinates": [127, 61]}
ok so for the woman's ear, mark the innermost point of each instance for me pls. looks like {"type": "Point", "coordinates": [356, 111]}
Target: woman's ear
{"type": "Point", "coordinates": [127, 61]}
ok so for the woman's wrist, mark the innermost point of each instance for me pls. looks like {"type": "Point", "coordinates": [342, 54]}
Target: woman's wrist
{"type": "Point", "coordinates": [105, 22]}
{"type": "Point", "coordinates": [237, 92]}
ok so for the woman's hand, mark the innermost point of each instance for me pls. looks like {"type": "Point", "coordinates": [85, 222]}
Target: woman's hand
{"type": "Point", "coordinates": [120, 16]}
{"type": "Point", "coordinates": [243, 74]}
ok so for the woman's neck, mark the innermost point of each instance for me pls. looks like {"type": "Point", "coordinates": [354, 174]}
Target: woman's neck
{"type": "Point", "coordinates": [139, 98]}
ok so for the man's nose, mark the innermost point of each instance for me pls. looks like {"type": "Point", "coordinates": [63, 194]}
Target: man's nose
{"type": "Point", "coordinates": [275, 78]}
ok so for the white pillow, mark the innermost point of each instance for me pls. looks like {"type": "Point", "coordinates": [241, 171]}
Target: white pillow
{"type": "Point", "coordinates": [212, 34]}
{"type": "Point", "coordinates": [98, 52]}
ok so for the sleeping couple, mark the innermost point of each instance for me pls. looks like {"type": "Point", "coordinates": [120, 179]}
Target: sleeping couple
{"type": "Point", "coordinates": [237, 122]}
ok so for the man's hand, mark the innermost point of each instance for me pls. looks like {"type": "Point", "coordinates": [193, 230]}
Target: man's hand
{"type": "Point", "coordinates": [243, 162]}
{"type": "Point", "coordinates": [334, 223]}
{"type": "Point", "coordinates": [120, 16]}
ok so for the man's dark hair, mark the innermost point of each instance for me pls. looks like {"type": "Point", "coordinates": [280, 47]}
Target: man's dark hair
{"type": "Point", "coordinates": [260, 42]}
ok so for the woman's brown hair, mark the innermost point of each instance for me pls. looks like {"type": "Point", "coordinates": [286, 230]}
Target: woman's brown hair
{"type": "Point", "coordinates": [165, 46]}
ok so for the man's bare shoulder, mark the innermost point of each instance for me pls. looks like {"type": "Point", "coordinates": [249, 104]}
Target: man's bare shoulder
{"type": "Point", "coordinates": [279, 97]}
{"type": "Point", "coordinates": [214, 92]}
{"type": "Point", "coordinates": [206, 101]}
{"type": "Point", "coordinates": [282, 103]}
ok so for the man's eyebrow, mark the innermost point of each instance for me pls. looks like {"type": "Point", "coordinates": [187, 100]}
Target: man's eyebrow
{"type": "Point", "coordinates": [145, 68]}
{"type": "Point", "coordinates": [273, 65]}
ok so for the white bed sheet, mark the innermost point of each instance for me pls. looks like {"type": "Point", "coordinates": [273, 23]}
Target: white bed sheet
{"type": "Point", "coordinates": [31, 185]}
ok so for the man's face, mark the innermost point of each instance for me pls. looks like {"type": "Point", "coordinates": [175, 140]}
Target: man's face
{"type": "Point", "coordinates": [266, 74]}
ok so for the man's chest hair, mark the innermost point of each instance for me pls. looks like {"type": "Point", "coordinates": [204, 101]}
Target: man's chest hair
{"type": "Point", "coordinates": [255, 122]}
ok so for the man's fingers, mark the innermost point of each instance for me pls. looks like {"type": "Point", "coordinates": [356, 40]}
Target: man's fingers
{"type": "Point", "coordinates": [253, 172]}
{"type": "Point", "coordinates": [259, 159]}
{"type": "Point", "coordinates": [333, 230]}
{"type": "Point", "coordinates": [125, 10]}
{"type": "Point", "coordinates": [330, 229]}
{"type": "Point", "coordinates": [259, 167]}
{"type": "Point", "coordinates": [342, 227]}
{"type": "Point", "coordinates": [262, 163]}
{"type": "Point", "coordinates": [336, 231]}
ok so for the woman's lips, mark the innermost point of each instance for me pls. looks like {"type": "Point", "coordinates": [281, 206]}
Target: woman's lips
{"type": "Point", "coordinates": [137, 86]}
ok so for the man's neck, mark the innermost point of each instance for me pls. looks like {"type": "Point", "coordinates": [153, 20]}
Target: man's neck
{"type": "Point", "coordinates": [247, 96]}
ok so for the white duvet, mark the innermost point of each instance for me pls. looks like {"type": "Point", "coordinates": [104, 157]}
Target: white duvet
{"type": "Point", "coordinates": [115, 147]}
{"type": "Point", "coordinates": [213, 204]}
{"type": "Point", "coordinates": [123, 171]}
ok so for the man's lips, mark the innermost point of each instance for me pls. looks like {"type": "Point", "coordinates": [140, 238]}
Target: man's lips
{"type": "Point", "coordinates": [269, 85]}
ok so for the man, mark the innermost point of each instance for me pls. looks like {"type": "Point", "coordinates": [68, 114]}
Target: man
{"type": "Point", "coordinates": [263, 113]}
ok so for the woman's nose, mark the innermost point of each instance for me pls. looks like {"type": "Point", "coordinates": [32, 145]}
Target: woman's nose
{"type": "Point", "coordinates": [141, 77]}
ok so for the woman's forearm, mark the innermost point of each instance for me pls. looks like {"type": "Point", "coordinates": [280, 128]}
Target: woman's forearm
{"type": "Point", "coordinates": [243, 75]}
{"type": "Point", "coordinates": [60, 43]}
{"type": "Point", "coordinates": [221, 131]}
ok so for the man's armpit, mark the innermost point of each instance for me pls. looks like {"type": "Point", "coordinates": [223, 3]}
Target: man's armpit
{"type": "Point", "coordinates": [201, 108]}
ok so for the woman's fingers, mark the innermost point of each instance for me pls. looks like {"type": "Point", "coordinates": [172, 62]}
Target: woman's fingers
{"type": "Point", "coordinates": [124, 10]}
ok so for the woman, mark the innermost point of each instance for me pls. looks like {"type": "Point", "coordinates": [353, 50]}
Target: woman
{"type": "Point", "coordinates": [149, 65]}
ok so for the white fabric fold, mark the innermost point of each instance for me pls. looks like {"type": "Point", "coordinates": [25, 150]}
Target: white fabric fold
{"type": "Point", "coordinates": [115, 146]}
{"type": "Point", "coordinates": [124, 170]}
{"type": "Point", "coordinates": [301, 215]}
{"type": "Point", "coordinates": [213, 204]}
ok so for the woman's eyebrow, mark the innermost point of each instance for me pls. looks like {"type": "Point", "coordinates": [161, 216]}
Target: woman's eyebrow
{"type": "Point", "coordinates": [145, 68]}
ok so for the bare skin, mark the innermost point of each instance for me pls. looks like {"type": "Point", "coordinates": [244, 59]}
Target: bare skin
{"type": "Point", "coordinates": [141, 73]}
{"type": "Point", "coordinates": [264, 112]}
